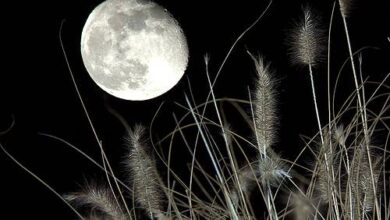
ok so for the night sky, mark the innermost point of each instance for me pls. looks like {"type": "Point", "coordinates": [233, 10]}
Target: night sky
{"type": "Point", "coordinates": [37, 91]}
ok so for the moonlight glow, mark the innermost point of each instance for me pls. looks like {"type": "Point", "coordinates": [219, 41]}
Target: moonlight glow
{"type": "Point", "coordinates": [133, 49]}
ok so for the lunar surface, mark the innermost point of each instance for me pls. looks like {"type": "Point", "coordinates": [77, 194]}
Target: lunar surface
{"type": "Point", "coordinates": [133, 49]}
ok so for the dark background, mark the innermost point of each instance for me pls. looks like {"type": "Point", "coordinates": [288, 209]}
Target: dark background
{"type": "Point", "coordinates": [37, 92]}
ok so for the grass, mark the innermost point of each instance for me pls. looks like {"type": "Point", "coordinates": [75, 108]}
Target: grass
{"type": "Point", "coordinates": [244, 177]}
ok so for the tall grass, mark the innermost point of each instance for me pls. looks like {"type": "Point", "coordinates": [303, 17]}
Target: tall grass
{"type": "Point", "coordinates": [347, 179]}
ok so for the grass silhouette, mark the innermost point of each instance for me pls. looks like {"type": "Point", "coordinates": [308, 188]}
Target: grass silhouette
{"type": "Point", "coordinates": [346, 179]}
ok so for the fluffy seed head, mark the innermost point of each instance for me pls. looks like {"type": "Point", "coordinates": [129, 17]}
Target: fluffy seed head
{"type": "Point", "coordinates": [327, 160]}
{"type": "Point", "coordinates": [301, 205]}
{"type": "Point", "coordinates": [345, 6]}
{"type": "Point", "coordinates": [99, 200]}
{"type": "Point", "coordinates": [143, 173]}
{"type": "Point", "coordinates": [362, 188]}
{"type": "Point", "coordinates": [339, 135]}
{"type": "Point", "coordinates": [247, 179]}
{"type": "Point", "coordinates": [307, 39]}
{"type": "Point", "coordinates": [271, 170]}
{"type": "Point", "coordinates": [265, 105]}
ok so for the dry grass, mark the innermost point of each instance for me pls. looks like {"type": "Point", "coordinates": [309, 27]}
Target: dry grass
{"type": "Point", "coordinates": [347, 178]}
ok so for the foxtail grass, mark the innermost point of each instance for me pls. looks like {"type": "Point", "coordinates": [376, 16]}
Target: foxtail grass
{"type": "Point", "coordinates": [243, 176]}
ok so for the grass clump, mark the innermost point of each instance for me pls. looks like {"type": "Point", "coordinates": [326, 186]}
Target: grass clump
{"type": "Point", "coordinates": [248, 178]}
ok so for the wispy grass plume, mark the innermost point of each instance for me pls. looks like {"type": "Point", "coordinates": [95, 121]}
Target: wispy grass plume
{"type": "Point", "coordinates": [306, 40]}
{"type": "Point", "coordinates": [326, 163]}
{"type": "Point", "coordinates": [302, 206]}
{"type": "Point", "coordinates": [363, 193]}
{"type": "Point", "coordinates": [143, 174]}
{"type": "Point", "coordinates": [347, 179]}
{"type": "Point", "coordinates": [99, 200]}
{"type": "Point", "coordinates": [345, 6]}
{"type": "Point", "coordinates": [265, 105]}
{"type": "Point", "coordinates": [306, 49]}
{"type": "Point", "coordinates": [272, 170]}
{"type": "Point", "coordinates": [247, 179]}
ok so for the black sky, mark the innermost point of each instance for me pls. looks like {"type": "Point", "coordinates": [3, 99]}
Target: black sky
{"type": "Point", "coordinates": [36, 88]}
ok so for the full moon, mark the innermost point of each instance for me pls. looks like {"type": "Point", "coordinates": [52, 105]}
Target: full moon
{"type": "Point", "coordinates": [133, 49]}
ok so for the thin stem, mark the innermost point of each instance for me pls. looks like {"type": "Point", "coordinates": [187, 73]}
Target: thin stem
{"type": "Point", "coordinates": [329, 36]}
{"type": "Point", "coordinates": [362, 114]}
{"type": "Point", "coordinates": [225, 139]}
{"type": "Point", "coordinates": [89, 118]}
{"type": "Point", "coordinates": [231, 50]}
{"type": "Point", "coordinates": [328, 167]}
{"type": "Point", "coordinates": [315, 103]}
{"type": "Point", "coordinates": [41, 181]}
{"type": "Point", "coordinates": [233, 212]}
